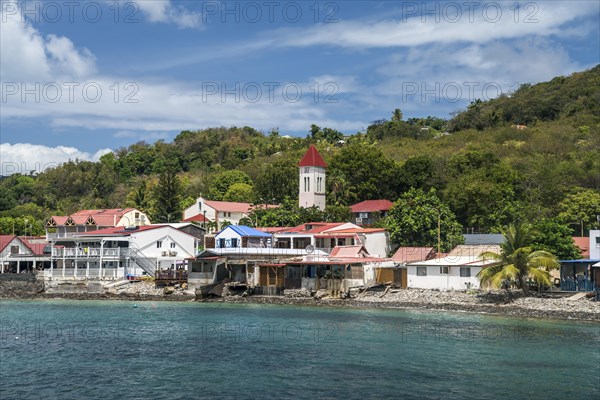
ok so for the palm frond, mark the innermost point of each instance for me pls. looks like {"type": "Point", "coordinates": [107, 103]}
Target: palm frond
{"type": "Point", "coordinates": [539, 276]}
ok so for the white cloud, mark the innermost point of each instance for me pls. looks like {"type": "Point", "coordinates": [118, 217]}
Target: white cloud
{"type": "Point", "coordinates": [420, 28]}
{"type": "Point", "coordinates": [28, 56]}
{"type": "Point", "coordinates": [164, 11]}
{"type": "Point", "coordinates": [26, 157]}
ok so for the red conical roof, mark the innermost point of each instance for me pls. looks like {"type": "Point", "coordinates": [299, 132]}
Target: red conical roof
{"type": "Point", "coordinates": [312, 158]}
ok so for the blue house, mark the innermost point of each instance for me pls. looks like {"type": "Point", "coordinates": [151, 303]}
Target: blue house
{"type": "Point", "coordinates": [241, 236]}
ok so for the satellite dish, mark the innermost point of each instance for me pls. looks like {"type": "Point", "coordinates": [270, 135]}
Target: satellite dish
{"type": "Point", "coordinates": [309, 249]}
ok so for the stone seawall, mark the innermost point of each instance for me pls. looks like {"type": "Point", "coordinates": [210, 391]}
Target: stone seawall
{"type": "Point", "coordinates": [19, 286]}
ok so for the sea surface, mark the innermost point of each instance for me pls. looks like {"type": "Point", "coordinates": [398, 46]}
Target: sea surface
{"type": "Point", "coordinates": [55, 349]}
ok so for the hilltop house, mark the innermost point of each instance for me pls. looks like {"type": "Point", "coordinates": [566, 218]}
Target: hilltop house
{"type": "Point", "coordinates": [219, 212]}
{"type": "Point", "coordinates": [367, 212]}
{"type": "Point", "coordinates": [92, 220]}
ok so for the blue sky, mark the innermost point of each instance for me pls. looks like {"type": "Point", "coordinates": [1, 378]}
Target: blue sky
{"type": "Point", "coordinates": [81, 78]}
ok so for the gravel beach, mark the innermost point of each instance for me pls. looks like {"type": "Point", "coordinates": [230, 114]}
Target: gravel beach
{"type": "Point", "coordinates": [513, 303]}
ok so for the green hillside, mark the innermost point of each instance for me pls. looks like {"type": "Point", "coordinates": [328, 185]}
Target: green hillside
{"type": "Point", "coordinates": [485, 169]}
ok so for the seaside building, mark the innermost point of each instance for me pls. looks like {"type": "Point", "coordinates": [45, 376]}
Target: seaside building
{"type": "Point", "coordinates": [23, 253]}
{"type": "Point", "coordinates": [582, 275]}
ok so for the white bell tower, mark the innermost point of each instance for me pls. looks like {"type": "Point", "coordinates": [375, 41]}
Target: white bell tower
{"type": "Point", "coordinates": [312, 179]}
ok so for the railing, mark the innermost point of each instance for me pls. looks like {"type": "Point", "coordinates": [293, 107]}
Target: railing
{"type": "Point", "coordinates": [581, 284]}
{"type": "Point", "coordinates": [89, 252]}
{"type": "Point", "coordinates": [142, 261]}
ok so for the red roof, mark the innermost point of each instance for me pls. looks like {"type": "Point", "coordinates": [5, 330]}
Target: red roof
{"type": "Point", "coordinates": [5, 240]}
{"type": "Point", "coordinates": [119, 230]}
{"type": "Point", "coordinates": [196, 218]}
{"type": "Point", "coordinates": [103, 217]}
{"type": "Point", "coordinates": [583, 243]}
{"type": "Point", "coordinates": [356, 251]}
{"type": "Point", "coordinates": [312, 158]}
{"type": "Point", "coordinates": [413, 254]}
{"type": "Point", "coordinates": [35, 243]}
{"type": "Point", "coordinates": [371, 205]}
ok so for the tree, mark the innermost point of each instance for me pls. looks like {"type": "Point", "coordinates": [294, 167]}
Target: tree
{"type": "Point", "coordinates": [167, 197]}
{"type": "Point", "coordinates": [582, 208]}
{"type": "Point", "coordinates": [277, 180]}
{"type": "Point", "coordinates": [397, 115]}
{"type": "Point", "coordinates": [554, 237]}
{"type": "Point", "coordinates": [239, 192]}
{"type": "Point", "coordinates": [413, 221]}
{"type": "Point", "coordinates": [220, 183]}
{"type": "Point", "coordinates": [518, 261]}
{"type": "Point", "coordinates": [368, 172]}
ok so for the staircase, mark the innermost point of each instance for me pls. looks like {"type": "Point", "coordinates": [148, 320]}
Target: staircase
{"type": "Point", "coordinates": [142, 261]}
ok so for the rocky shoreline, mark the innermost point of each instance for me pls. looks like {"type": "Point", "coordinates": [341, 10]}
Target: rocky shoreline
{"type": "Point", "coordinates": [511, 303]}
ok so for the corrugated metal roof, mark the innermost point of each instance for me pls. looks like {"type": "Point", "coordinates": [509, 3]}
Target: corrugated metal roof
{"type": "Point", "coordinates": [412, 254]}
{"type": "Point", "coordinates": [484, 238]}
{"type": "Point", "coordinates": [244, 230]}
{"type": "Point", "coordinates": [371, 205]}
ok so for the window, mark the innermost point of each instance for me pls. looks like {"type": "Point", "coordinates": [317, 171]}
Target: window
{"type": "Point", "coordinates": [173, 245]}
{"type": "Point", "coordinates": [421, 271]}
{"type": "Point", "coordinates": [222, 243]}
{"type": "Point", "coordinates": [137, 215]}
{"type": "Point", "coordinates": [14, 249]}
{"type": "Point", "coordinates": [444, 270]}
{"type": "Point", "coordinates": [234, 242]}
{"type": "Point", "coordinates": [306, 184]}
{"type": "Point", "coordinates": [158, 244]}
{"type": "Point", "coordinates": [465, 272]}
{"type": "Point", "coordinates": [200, 205]}
{"type": "Point", "coordinates": [597, 241]}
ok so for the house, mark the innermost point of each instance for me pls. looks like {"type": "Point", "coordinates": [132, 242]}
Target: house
{"type": "Point", "coordinates": [118, 252]}
{"type": "Point", "coordinates": [312, 179]}
{"type": "Point", "coordinates": [327, 235]}
{"type": "Point", "coordinates": [346, 267]}
{"type": "Point", "coordinates": [581, 275]}
{"type": "Point", "coordinates": [397, 275]}
{"type": "Point", "coordinates": [23, 253]}
{"type": "Point", "coordinates": [238, 236]}
{"type": "Point", "coordinates": [452, 272]}
{"type": "Point", "coordinates": [222, 213]}
{"type": "Point", "coordinates": [92, 220]}
{"type": "Point", "coordinates": [367, 212]}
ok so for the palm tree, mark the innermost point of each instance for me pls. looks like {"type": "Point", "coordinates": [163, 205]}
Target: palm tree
{"type": "Point", "coordinates": [518, 261]}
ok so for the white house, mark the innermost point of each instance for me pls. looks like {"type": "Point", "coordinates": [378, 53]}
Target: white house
{"type": "Point", "coordinates": [114, 253]}
{"type": "Point", "coordinates": [241, 236]}
{"type": "Point", "coordinates": [204, 211]}
{"type": "Point", "coordinates": [447, 273]}
{"type": "Point", "coordinates": [22, 253]}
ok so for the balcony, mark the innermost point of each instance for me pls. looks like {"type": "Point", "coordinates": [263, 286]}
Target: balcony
{"type": "Point", "coordinates": [91, 252]}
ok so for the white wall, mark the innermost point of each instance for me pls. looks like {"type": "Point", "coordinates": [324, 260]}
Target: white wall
{"type": "Point", "coordinates": [228, 234]}
{"type": "Point", "coordinates": [377, 244]}
{"type": "Point", "coordinates": [312, 197]}
{"type": "Point", "coordinates": [15, 242]}
{"type": "Point", "coordinates": [145, 241]}
{"type": "Point", "coordinates": [594, 247]}
{"type": "Point", "coordinates": [198, 208]}
{"type": "Point", "coordinates": [435, 280]}
{"type": "Point", "coordinates": [129, 219]}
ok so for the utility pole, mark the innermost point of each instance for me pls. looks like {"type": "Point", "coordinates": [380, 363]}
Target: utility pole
{"type": "Point", "coordinates": [439, 231]}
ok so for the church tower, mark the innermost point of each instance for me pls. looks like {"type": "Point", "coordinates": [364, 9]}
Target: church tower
{"type": "Point", "coordinates": [312, 179]}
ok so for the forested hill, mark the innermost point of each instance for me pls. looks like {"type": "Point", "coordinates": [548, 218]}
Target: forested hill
{"type": "Point", "coordinates": [482, 166]}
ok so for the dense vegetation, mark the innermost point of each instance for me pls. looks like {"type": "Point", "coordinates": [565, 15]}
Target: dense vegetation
{"type": "Point", "coordinates": [486, 171]}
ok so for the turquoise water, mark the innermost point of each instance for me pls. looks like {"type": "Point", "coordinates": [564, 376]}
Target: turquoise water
{"type": "Point", "coordinates": [117, 350]}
